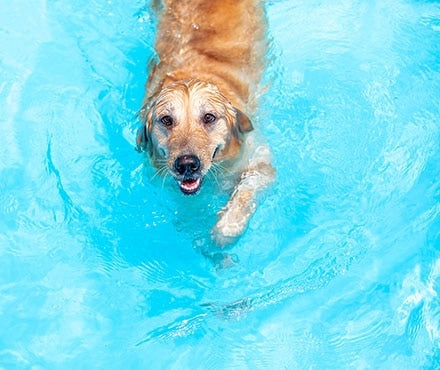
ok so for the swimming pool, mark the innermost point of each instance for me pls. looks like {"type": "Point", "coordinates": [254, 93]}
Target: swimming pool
{"type": "Point", "coordinates": [340, 265]}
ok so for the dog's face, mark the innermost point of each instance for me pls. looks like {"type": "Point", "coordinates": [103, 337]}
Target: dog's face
{"type": "Point", "coordinates": [190, 126]}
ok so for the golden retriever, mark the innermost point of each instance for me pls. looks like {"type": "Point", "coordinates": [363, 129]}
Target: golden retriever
{"type": "Point", "coordinates": [198, 97]}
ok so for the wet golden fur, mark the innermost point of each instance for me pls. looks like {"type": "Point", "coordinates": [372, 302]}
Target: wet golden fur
{"type": "Point", "coordinates": [210, 61]}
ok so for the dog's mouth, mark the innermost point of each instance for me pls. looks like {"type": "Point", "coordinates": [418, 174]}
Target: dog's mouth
{"type": "Point", "coordinates": [190, 186]}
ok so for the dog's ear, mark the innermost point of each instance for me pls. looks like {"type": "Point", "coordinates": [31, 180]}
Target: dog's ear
{"type": "Point", "coordinates": [244, 124]}
{"type": "Point", "coordinates": [143, 133]}
{"type": "Point", "coordinates": [141, 138]}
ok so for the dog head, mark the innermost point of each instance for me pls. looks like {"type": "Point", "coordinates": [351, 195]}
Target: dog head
{"type": "Point", "coordinates": [190, 126]}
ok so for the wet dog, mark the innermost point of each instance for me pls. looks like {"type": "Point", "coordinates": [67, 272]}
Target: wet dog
{"type": "Point", "coordinates": [199, 94]}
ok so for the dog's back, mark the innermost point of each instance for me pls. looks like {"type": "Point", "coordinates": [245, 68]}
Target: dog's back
{"type": "Point", "coordinates": [221, 41]}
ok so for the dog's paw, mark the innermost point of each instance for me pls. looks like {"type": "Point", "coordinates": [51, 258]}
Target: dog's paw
{"type": "Point", "coordinates": [223, 236]}
{"type": "Point", "coordinates": [234, 218]}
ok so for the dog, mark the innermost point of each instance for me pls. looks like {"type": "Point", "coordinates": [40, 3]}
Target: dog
{"type": "Point", "coordinates": [199, 94]}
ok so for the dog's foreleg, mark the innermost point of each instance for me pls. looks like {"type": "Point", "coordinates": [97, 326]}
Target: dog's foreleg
{"type": "Point", "coordinates": [234, 217]}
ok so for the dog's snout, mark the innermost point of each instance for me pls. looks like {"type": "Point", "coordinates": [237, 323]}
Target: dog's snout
{"type": "Point", "coordinates": [187, 164]}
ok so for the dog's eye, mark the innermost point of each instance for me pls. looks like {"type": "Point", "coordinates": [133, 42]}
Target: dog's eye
{"type": "Point", "coordinates": [167, 121]}
{"type": "Point", "coordinates": [209, 118]}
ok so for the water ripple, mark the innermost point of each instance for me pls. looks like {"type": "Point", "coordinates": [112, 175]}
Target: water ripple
{"type": "Point", "coordinates": [318, 273]}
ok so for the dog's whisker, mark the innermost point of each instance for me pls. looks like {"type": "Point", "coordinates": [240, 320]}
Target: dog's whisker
{"type": "Point", "coordinates": [213, 174]}
{"type": "Point", "coordinates": [156, 173]}
{"type": "Point", "coordinates": [219, 167]}
{"type": "Point", "coordinates": [164, 178]}
{"type": "Point", "coordinates": [161, 171]}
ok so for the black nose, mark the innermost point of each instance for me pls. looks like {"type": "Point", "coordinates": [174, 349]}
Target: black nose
{"type": "Point", "coordinates": [187, 164]}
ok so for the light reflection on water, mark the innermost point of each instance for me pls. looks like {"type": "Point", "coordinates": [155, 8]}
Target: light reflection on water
{"type": "Point", "coordinates": [103, 266]}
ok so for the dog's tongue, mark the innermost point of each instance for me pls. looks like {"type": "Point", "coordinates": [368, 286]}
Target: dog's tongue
{"type": "Point", "coordinates": [190, 186]}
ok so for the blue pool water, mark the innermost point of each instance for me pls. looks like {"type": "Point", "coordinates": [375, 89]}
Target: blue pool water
{"type": "Point", "coordinates": [102, 267]}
